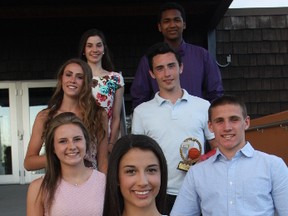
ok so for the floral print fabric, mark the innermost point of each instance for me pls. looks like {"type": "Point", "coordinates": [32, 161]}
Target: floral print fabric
{"type": "Point", "coordinates": [104, 89]}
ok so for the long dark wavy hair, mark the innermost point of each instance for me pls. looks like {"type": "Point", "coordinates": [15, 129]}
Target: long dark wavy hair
{"type": "Point", "coordinates": [53, 170]}
{"type": "Point", "coordinates": [114, 202]}
{"type": "Point", "coordinates": [91, 113]}
{"type": "Point", "coordinates": [107, 62]}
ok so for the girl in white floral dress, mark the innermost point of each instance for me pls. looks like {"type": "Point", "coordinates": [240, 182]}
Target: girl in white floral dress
{"type": "Point", "coordinates": [108, 86]}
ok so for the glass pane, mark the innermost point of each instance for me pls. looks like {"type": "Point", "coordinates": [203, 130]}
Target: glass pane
{"type": "Point", "coordinates": [5, 135]}
{"type": "Point", "coordinates": [38, 100]}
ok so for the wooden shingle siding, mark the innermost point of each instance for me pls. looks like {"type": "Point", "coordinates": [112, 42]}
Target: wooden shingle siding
{"type": "Point", "coordinates": [257, 41]}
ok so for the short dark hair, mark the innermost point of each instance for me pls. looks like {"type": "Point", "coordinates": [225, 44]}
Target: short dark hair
{"type": "Point", "coordinates": [161, 48]}
{"type": "Point", "coordinates": [114, 202]}
{"type": "Point", "coordinates": [227, 99]}
{"type": "Point", "coordinates": [169, 6]}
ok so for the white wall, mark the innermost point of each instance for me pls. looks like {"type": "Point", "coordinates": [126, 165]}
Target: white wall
{"type": "Point", "coordinates": [258, 3]}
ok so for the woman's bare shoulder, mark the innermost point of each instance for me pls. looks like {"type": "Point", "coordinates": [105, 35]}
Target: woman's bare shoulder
{"type": "Point", "coordinates": [35, 185]}
{"type": "Point", "coordinates": [42, 115]}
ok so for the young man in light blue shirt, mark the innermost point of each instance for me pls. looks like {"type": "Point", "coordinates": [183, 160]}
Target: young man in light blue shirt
{"type": "Point", "coordinates": [172, 116]}
{"type": "Point", "coordinates": [237, 180]}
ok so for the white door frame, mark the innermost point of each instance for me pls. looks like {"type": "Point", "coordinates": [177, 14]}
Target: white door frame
{"type": "Point", "coordinates": [15, 142]}
{"type": "Point", "coordinates": [31, 175]}
{"type": "Point", "coordinates": [20, 126]}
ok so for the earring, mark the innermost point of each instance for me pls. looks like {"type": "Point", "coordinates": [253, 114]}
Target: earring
{"type": "Point", "coordinates": [103, 53]}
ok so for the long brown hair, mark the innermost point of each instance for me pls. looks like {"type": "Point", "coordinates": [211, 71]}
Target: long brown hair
{"type": "Point", "coordinates": [91, 113]}
{"type": "Point", "coordinates": [53, 172]}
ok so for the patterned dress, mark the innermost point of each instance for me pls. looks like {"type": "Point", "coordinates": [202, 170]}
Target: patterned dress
{"type": "Point", "coordinates": [104, 89]}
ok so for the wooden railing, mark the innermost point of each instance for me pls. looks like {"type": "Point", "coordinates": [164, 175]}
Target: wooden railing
{"type": "Point", "coordinates": [270, 134]}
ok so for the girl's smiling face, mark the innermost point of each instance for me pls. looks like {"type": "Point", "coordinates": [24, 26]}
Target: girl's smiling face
{"type": "Point", "coordinates": [69, 144]}
{"type": "Point", "coordinates": [72, 79]}
{"type": "Point", "coordinates": [94, 49]}
{"type": "Point", "coordinates": [139, 178]}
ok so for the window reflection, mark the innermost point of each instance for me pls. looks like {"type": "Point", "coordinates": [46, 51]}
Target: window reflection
{"type": "Point", "coordinates": [38, 100]}
{"type": "Point", "coordinates": [5, 135]}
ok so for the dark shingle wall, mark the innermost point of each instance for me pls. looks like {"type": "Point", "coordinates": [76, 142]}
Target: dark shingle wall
{"type": "Point", "coordinates": [258, 43]}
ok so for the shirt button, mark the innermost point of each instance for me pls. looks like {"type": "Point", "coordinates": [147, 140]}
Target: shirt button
{"type": "Point", "coordinates": [231, 202]}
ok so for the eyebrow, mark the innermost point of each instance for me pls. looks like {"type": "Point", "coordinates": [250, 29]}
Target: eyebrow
{"type": "Point", "coordinates": [129, 166]}
{"type": "Point", "coordinates": [172, 18]}
{"type": "Point", "coordinates": [100, 42]}
{"type": "Point", "coordinates": [152, 165]}
{"type": "Point", "coordinates": [230, 117]}
{"type": "Point", "coordinates": [133, 166]}
{"type": "Point", "coordinates": [78, 136]}
{"type": "Point", "coordinates": [168, 64]}
{"type": "Point", "coordinates": [77, 74]}
{"type": "Point", "coordinates": [171, 64]}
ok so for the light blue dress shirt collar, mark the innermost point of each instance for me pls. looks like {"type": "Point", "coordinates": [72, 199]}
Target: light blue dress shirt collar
{"type": "Point", "coordinates": [246, 151]}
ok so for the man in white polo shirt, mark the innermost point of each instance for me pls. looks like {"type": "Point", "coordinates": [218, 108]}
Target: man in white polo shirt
{"type": "Point", "coordinates": [172, 116]}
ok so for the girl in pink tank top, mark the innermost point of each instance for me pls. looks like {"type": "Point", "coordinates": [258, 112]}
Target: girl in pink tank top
{"type": "Point", "coordinates": [68, 187]}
